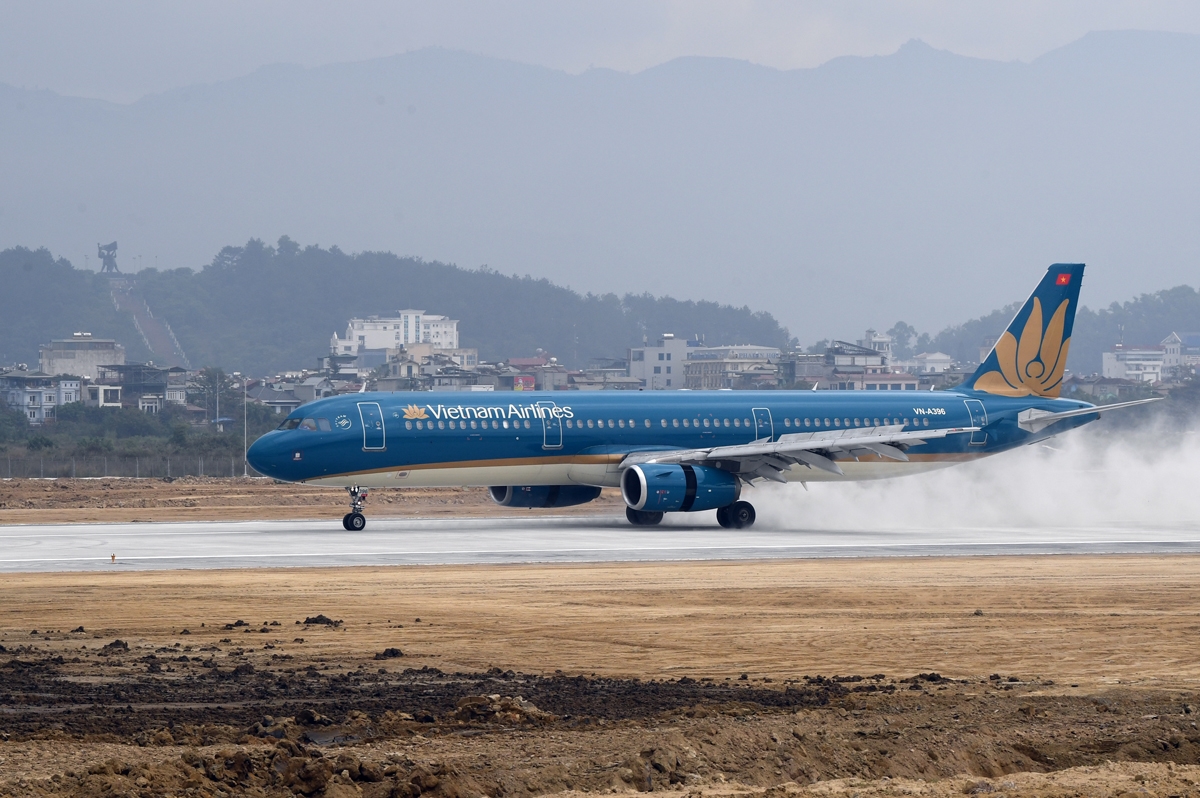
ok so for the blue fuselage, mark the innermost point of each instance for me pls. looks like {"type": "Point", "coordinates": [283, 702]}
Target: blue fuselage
{"type": "Point", "coordinates": [543, 438]}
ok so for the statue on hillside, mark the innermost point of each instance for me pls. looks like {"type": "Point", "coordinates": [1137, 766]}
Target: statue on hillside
{"type": "Point", "coordinates": [108, 255]}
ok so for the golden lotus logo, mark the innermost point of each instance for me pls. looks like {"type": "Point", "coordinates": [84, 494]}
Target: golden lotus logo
{"type": "Point", "coordinates": [1035, 364]}
{"type": "Point", "coordinates": [412, 411]}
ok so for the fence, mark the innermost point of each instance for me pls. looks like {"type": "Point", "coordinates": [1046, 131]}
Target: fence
{"type": "Point", "coordinates": [136, 467]}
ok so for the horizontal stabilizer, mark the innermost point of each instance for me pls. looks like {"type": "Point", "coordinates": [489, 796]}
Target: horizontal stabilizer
{"type": "Point", "coordinates": [1038, 420]}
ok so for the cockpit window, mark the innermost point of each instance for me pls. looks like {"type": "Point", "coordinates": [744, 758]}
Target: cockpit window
{"type": "Point", "coordinates": [309, 424]}
{"type": "Point", "coordinates": [323, 423]}
{"type": "Point", "coordinates": [290, 423]}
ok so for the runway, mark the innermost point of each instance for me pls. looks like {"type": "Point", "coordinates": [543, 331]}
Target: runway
{"type": "Point", "coordinates": [395, 541]}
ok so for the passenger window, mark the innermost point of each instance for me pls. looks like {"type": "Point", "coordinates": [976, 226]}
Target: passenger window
{"type": "Point", "coordinates": [847, 421]}
{"type": "Point", "coordinates": [857, 423]}
{"type": "Point", "coordinates": [727, 422]}
{"type": "Point", "coordinates": [323, 424]}
{"type": "Point", "coordinates": [906, 422]}
{"type": "Point", "coordinates": [647, 422]}
{"type": "Point", "coordinates": [737, 422]}
{"type": "Point", "coordinates": [527, 423]}
{"type": "Point", "coordinates": [837, 422]}
{"type": "Point", "coordinates": [408, 425]}
{"type": "Point", "coordinates": [675, 422]}
{"type": "Point", "coordinates": [621, 423]}
{"type": "Point", "coordinates": [925, 422]}
{"type": "Point", "coordinates": [309, 424]}
{"type": "Point", "coordinates": [590, 423]}
{"type": "Point", "coordinates": [706, 422]}
{"type": "Point", "coordinates": [664, 422]}
{"type": "Point", "coordinates": [611, 424]}
{"type": "Point", "coordinates": [807, 422]}
{"type": "Point", "coordinates": [687, 423]}
{"type": "Point", "coordinates": [876, 421]}
{"type": "Point", "coordinates": [474, 424]}
{"type": "Point", "coordinates": [569, 423]}
{"type": "Point", "coordinates": [441, 425]}
{"type": "Point", "coordinates": [746, 422]}
{"type": "Point", "coordinates": [420, 425]}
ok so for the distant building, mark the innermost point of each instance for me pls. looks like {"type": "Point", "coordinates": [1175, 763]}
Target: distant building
{"type": "Point", "coordinates": [141, 385]}
{"type": "Point", "coordinates": [925, 363]}
{"type": "Point", "coordinates": [81, 355]}
{"type": "Point", "coordinates": [660, 367]}
{"type": "Point", "coordinates": [880, 342]}
{"type": "Point", "coordinates": [1137, 363]}
{"type": "Point", "coordinates": [1181, 351]}
{"type": "Point", "coordinates": [32, 393]}
{"type": "Point", "coordinates": [407, 327]}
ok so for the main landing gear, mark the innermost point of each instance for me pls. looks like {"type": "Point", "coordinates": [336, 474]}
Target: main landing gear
{"type": "Point", "coordinates": [739, 515]}
{"type": "Point", "coordinates": [642, 517]}
{"type": "Point", "coordinates": [354, 520]}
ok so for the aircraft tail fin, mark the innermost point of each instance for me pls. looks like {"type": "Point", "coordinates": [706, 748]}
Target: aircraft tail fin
{"type": "Point", "coordinates": [1031, 355]}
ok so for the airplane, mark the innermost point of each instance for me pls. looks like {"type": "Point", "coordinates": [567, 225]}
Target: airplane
{"type": "Point", "coordinates": [686, 451]}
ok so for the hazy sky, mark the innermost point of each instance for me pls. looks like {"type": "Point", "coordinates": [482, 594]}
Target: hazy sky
{"type": "Point", "coordinates": [122, 49]}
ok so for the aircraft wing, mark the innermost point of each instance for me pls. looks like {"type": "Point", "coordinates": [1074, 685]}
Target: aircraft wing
{"type": "Point", "coordinates": [768, 459]}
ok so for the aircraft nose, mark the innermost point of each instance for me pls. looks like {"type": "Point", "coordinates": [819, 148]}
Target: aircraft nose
{"type": "Point", "coordinates": [263, 456]}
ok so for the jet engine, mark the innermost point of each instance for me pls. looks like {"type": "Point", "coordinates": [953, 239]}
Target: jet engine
{"type": "Point", "coordinates": [542, 495]}
{"type": "Point", "coordinates": [655, 488]}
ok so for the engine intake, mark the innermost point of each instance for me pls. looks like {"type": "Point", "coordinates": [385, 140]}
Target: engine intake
{"type": "Point", "coordinates": [658, 488]}
{"type": "Point", "coordinates": [531, 496]}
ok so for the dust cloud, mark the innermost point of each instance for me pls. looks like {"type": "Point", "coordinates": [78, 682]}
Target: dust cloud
{"type": "Point", "coordinates": [1086, 478]}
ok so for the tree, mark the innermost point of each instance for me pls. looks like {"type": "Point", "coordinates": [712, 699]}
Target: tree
{"type": "Point", "coordinates": [212, 389]}
{"type": "Point", "coordinates": [902, 334]}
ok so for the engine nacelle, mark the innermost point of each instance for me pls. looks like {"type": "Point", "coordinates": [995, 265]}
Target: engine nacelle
{"type": "Point", "coordinates": [655, 488]}
{"type": "Point", "coordinates": [542, 495]}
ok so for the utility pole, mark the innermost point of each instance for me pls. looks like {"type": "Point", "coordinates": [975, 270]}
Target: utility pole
{"type": "Point", "coordinates": [245, 431]}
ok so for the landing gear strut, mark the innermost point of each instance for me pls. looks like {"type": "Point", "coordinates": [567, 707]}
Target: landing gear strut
{"type": "Point", "coordinates": [739, 515]}
{"type": "Point", "coordinates": [354, 520]}
{"type": "Point", "coordinates": [642, 517]}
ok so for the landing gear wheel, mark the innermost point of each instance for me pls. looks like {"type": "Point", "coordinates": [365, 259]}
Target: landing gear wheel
{"type": "Point", "coordinates": [354, 520]}
{"type": "Point", "coordinates": [723, 517]}
{"type": "Point", "coordinates": [642, 517]}
{"type": "Point", "coordinates": [741, 515]}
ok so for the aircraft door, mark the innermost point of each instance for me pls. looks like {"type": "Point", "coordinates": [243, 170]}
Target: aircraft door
{"type": "Point", "coordinates": [978, 419]}
{"type": "Point", "coordinates": [763, 426]}
{"type": "Point", "coordinates": [374, 435]}
{"type": "Point", "coordinates": [552, 435]}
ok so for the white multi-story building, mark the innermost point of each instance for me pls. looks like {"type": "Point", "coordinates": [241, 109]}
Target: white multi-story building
{"type": "Point", "coordinates": [407, 327]}
{"type": "Point", "coordinates": [1137, 363]}
{"type": "Point", "coordinates": [660, 367]}
{"type": "Point", "coordinates": [34, 394]}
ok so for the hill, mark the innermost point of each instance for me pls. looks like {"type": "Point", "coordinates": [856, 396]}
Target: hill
{"type": "Point", "coordinates": [263, 309]}
{"type": "Point", "coordinates": [44, 297]}
{"type": "Point", "coordinates": [824, 196]}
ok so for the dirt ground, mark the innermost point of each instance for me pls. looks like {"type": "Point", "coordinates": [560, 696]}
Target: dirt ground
{"type": "Point", "coordinates": [924, 676]}
{"type": "Point", "coordinates": [119, 500]}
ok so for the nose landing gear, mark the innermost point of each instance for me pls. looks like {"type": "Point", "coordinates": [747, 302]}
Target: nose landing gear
{"type": "Point", "coordinates": [354, 520]}
{"type": "Point", "coordinates": [739, 515]}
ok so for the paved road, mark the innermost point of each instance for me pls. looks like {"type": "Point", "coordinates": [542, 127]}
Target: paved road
{"type": "Point", "coordinates": [267, 544]}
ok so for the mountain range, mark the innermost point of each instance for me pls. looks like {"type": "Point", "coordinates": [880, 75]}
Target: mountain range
{"type": "Point", "coordinates": [920, 185]}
